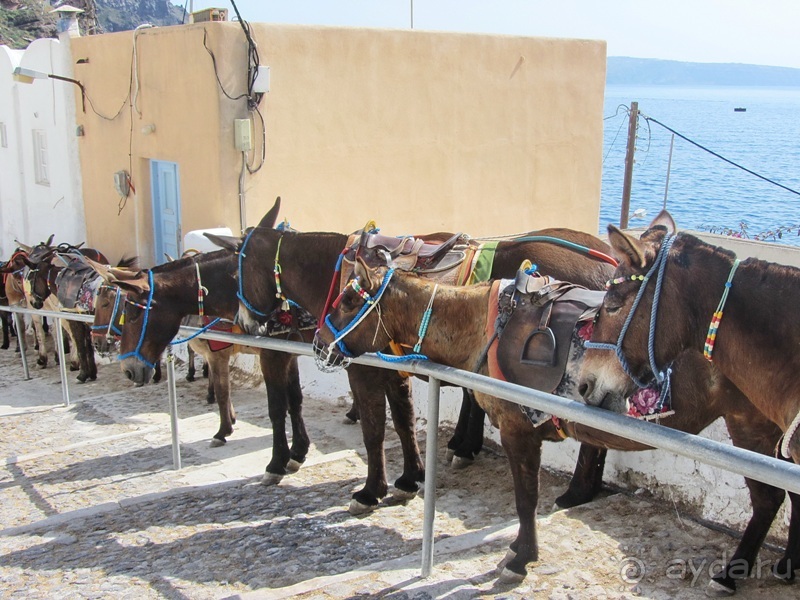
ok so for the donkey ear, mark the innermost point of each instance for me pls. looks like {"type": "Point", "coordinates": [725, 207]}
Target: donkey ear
{"type": "Point", "coordinates": [103, 270]}
{"type": "Point", "coordinates": [24, 247]}
{"type": "Point", "coordinates": [369, 278]}
{"type": "Point", "coordinates": [137, 286]}
{"type": "Point", "coordinates": [665, 220]}
{"type": "Point", "coordinates": [50, 239]}
{"type": "Point", "coordinates": [225, 241]}
{"type": "Point", "coordinates": [627, 249]}
{"type": "Point", "coordinates": [269, 219]}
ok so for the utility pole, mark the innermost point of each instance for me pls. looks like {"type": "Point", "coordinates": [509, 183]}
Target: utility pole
{"type": "Point", "coordinates": [633, 123]}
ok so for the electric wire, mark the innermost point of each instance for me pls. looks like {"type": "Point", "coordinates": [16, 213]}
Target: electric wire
{"type": "Point", "coordinates": [697, 144]}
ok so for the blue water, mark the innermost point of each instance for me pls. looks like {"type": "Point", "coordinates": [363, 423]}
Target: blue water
{"type": "Point", "coordinates": [706, 193]}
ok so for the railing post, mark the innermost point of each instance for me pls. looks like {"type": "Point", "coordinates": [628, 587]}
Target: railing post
{"type": "Point", "coordinates": [173, 409]}
{"type": "Point", "coordinates": [62, 361]}
{"type": "Point", "coordinates": [19, 325]}
{"type": "Point", "coordinates": [431, 447]}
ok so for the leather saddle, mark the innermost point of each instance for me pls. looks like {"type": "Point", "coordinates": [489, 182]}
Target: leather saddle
{"type": "Point", "coordinates": [408, 253]}
{"type": "Point", "coordinates": [537, 320]}
{"type": "Point", "coordinates": [73, 285]}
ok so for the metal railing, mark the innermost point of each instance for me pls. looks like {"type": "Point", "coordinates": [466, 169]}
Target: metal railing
{"type": "Point", "coordinates": [756, 466]}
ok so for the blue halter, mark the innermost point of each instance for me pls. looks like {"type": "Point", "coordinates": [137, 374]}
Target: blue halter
{"type": "Point", "coordinates": [137, 353]}
{"type": "Point", "coordinates": [369, 303]}
{"type": "Point", "coordinates": [240, 292]}
{"type": "Point", "coordinates": [112, 325]}
{"type": "Point", "coordinates": [661, 376]}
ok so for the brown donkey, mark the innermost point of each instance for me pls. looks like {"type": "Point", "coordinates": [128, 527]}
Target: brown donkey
{"type": "Point", "coordinates": [457, 335]}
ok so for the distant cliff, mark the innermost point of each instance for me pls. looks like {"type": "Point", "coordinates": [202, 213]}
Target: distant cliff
{"type": "Point", "coordinates": [22, 21]}
{"type": "Point", "coordinates": [647, 71]}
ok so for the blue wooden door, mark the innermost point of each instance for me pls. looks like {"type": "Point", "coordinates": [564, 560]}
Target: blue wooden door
{"type": "Point", "coordinates": [165, 186]}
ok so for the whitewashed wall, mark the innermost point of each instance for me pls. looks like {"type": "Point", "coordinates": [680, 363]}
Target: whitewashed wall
{"type": "Point", "coordinates": [31, 211]}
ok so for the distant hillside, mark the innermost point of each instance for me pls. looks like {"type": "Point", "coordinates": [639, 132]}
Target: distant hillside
{"type": "Point", "coordinates": [647, 71]}
{"type": "Point", "coordinates": [22, 21]}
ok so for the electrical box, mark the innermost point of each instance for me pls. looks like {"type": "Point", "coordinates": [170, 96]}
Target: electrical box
{"type": "Point", "coordinates": [210, 14]}
{"type": "Point", "coordinates": [242, 134]}
{"type": "Point", "coordinates": [261, 83]}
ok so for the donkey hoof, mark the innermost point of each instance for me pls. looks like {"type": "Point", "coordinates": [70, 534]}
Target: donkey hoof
{"type": "Point", "coordinates": [357, 508]}
{"type": "Point", "coordinates": [402, 496]}
{"type": "Point", "coordinates": [449, 454]}
{"type": "Point", "coordinates": [510, 577]}
{"type": "Point", "coordinates": [459, 462]}
{"type": "Point", "coordinates": [216, 442]}
{"type": "Point", "coordinates": [293, 466]}
{"type": "Point", "coordinates": [271, 479]}
{"type": "Point", "coordinates": [715, 589]}
{"type": "Point", "coordinates": [348, 421]}
{"type": "Point", "coordinates": [510, 555]}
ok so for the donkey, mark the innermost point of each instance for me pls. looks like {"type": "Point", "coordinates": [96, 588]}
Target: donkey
{"type": "Point", "coordinates": [157, 300]}
{"type": "Point", "coordinates": [740, 314]}
{"type": "Point", "coordinates": [14, 288]}
{"type": "Point", "coordinates": [61, 280]}
{"type": "Point", "coordinates": [109, 324]}
{"type": "Point", "coordinates": [302, 261]}
{"type": "Point", "coordinates": [459, 334]}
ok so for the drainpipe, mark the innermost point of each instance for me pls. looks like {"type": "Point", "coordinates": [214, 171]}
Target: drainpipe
{"type": "Point", "coordinates": [242, 205]}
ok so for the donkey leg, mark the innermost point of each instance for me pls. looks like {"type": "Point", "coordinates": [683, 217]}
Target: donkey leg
{"type": "Point", "coordinates": [760, 435]}
{"type": "Point", "coordinates": [219, 377]}
{"type": "Point", "coordinates": [351, 416]}
{"type": "Point", "coordinates": [6, 334]}
{"type": "Point", "coordinates": [190, 371]}
{"type": "Point", "coordinates": [460, 431]}
{"type": "Point", "coordinates": [300, 439]}
{"type": "Point", "coordinates": [367, 385]}
{"type": "Point", "coordinates": [41, 341]}
{"type": "Point", "coordinates": [401, 406]}
{"type": "Point", "coordinates": [473, 439]}
{"type": "Point", "coordinates": [785, 567]}
{"type": "Point", "coordinates": [84, 349]}
{"type": "Point", "coordinates": [524, 451]}
{"type": "Point", "coordinates": [587, 480]}
{"type": "Point", "coordinates": [274, 368]}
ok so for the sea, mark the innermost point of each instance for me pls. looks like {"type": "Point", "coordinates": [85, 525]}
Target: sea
{"type": "Point", "coordinates": [700, 189]}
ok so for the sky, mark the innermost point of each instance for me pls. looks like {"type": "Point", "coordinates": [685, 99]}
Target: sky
{"type": "Point", "coordinates": [759, 32]}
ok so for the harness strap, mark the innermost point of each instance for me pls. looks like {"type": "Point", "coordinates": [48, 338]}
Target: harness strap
{"type": "Point", "coordinates": [137, 353]}
{"type": "Point", "coordinates": [711, 337]}
{"type": "Point", "coordinates": [201, 291]}
{"type": "Point", "coordinates": [788, 435]}
{"type": "Point", "coordinates": [240, 292]}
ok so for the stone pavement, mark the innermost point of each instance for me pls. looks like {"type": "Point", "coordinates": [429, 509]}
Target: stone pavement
{"type": "Point", "coordinates": [93, 509]}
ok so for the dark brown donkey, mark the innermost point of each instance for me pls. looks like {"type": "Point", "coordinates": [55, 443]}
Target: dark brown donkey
{"type": "Point", "coordinates": [458, 334]}
{"type": "Point", "coordinates": [109, 323]}
{"type": "Point", "coordinates": [156, 302]}
{"type": "Point", "coordinates": [743, 316]}
{"type": "Point", "coordinates": [306, 263]}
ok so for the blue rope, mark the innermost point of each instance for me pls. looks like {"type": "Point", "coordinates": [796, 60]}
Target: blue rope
{"type": "Point", "coordinates": [240, 292]}
{"type": "Point", "coordinates": [658, 264]}
{"type": "Point", "coordinates": [404, 358]}
{"type": "Point", "coordinates": [354, 322]}
{"type": "Point", "coordinates": [137, 353]}
{"type": "Point", "coordinates": [194, 335]}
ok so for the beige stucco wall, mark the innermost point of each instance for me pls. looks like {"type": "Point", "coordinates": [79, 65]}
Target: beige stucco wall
{"type": "Point", "coordinates": [420, 131]}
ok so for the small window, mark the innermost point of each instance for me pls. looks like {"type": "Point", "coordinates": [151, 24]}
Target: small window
{"type": "Point", "coordinates": [3, 136]}
{"type": "Point", "coordinates": [40, 162]}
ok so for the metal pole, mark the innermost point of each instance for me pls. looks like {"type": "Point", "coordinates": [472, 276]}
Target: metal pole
{"type": "Point", "coordinates": [629, 160]}
{"type": "Point", "coordinates": [19, 324]}
{"type": "Point", "coordinates": [62, 360]}
{"type": "Point", "coordinates": [431, 446]}
{"type": "Point", "coordinates": [669, 170]}
{"type": "Point", "coordinates": [173, 409]}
